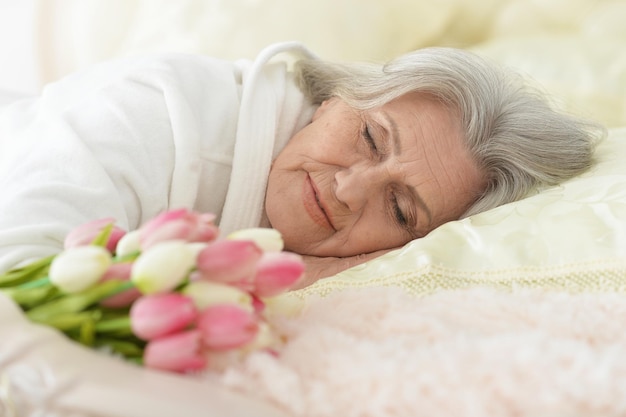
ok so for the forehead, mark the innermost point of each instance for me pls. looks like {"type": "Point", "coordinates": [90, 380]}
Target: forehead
{"type": "Point", "coordinates": [434, 155]}
{"type": "Point", "coordinates": [426, 113]}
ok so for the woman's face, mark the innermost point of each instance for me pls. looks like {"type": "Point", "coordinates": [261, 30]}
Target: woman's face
{"type": "Point", "coordinates": [356, 182]}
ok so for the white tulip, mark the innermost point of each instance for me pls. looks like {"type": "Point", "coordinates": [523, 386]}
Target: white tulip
{"type": "Point", "coordinates": [205, 294]}
{"type": "Point", "coordinates": [269, 240]}
{"type": "Point", "coordinates": [128, 244]}
{"type": "Point", "coordinates": [78, 268]}
{"type": "Point", "coordinates": [162, 267]}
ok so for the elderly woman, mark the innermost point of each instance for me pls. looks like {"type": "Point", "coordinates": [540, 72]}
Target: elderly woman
{"type": "Point", "coordinates": [347, 161]}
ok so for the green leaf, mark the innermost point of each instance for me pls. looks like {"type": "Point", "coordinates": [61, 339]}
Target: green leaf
{"type": "Point", "coordinates": [28, 298]}
{"type": "Point", "coordinates": [71, 321]}
{"type": "Point", "coordinates": [73, 303]}
{"type": "Point", "coordinates": [30, 272]}
{"type": "Point", "coordinates": [103, 237]}
{"type": "Point", "coordinates": [129, 257]}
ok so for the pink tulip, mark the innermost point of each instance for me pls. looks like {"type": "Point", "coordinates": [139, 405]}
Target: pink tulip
{"type": "Point", "coordinates": [120, 271]}
{"type": "Point", "coordinates": [227, 326]}
{"type": "Point", "coordinates": [85, 234]}
{"type": "Point", "coordinates": [277, 272]}
{"type": "Point", "coordinates": [179, 352]}
{"type": "Point", "coordinates": [258, 305]}
{"type": "Point", "coordinates": [180, 224]}
{"type": "Point", "coordinates": [154, 316]}
{"type": "Point", "coordinates": [228, 261]}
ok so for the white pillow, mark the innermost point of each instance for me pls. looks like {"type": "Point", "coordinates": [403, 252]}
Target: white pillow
{"type": "Point", "coordinates": [587, 74]}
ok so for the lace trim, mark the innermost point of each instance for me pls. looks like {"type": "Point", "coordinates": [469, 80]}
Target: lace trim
{"type": "Point", "coordinates": [607, 275]}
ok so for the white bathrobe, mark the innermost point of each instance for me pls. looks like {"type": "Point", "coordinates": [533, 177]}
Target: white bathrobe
{"type": "Point", "coordinates": [131, 138]}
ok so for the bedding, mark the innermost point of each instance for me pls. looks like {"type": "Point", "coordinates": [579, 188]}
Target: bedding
{"type": "Point", "coordinates": [515, 311]}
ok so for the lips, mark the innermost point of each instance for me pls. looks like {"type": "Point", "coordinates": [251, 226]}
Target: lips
{"type": "Point", "coordinates": [313, 205]}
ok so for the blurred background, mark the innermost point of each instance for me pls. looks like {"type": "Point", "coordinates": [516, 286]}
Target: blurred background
{"type": "Point", "coordinates": [18, 71]}
{"type": "Point", "coordinates": [574, 48]}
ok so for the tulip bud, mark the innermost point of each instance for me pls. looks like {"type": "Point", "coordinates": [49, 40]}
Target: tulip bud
{"type": "Point", "coordinates": [228, 261]}
{"type": "Point", "coordinates": [277, 272]}
{"type": "Point", "coordinates": [155, 316]}
{"type": "Point", "coordinates": [86, 233]}
{"type": "Point", "coordinates": [162, 267]}
{"type": "Point", "coordinates": [205, 294]}
{"type": "Point", "coordinates": [180, 224]}
{"type": "Point", "coordinates": [269, 240]}
{"type": "Point", "coordinates": [227, 326]}
{"type": "Point", "coordinates": [78, 268]}
{"type": "Point", "coordinates": [129, 244]}
{"type": "Point", "coordinates": [179, 352]}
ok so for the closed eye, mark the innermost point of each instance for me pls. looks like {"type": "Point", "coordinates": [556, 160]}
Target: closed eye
{"type": "Point", "coordinates": [399, 215]}
{"type": "Point", "coordinates": [367, 137]}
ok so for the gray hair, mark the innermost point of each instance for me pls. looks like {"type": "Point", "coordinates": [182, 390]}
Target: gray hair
{"type": "Point", "coordinates": [517, 137]}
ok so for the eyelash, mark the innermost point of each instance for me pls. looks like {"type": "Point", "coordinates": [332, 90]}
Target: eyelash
{"type": "Point", "coordinates": [369, 140]}
{"type": "Point", "coordinates": [397, 211]}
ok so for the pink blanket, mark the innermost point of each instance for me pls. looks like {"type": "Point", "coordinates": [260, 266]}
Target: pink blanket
{"type": "Point", "coordinates": [379, 352]}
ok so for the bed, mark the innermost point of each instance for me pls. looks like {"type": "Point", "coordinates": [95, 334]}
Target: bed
{"type": "Point", "coordinates": [520, 310]}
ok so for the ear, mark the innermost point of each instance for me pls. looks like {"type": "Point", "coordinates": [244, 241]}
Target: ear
{"type": "Point", "coordinates": [326, 104]}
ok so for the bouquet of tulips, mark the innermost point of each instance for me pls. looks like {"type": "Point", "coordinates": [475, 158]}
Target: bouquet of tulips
{"type": "Point", "coordinates": [171, 295]}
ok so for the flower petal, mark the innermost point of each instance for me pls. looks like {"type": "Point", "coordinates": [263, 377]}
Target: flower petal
{"type": "Point", "coordinates": [227, 326]}
{"type": "Point", "coordinates": [179, 224]}
{"type": "Point", "coordinates": [162, 267]}
{"type": "Point", "coordinates": [158, 315]}
{"type": "Point", "coordinates": [78, 268]}
{"type": "Point", "coordinates": [269, 240]}
{"type": "Point", "coordinates": [180, 352]}
{"type": "Point", "coordinates": [206, 294]}
{"type": "Point", "coordinates": [85, 234]}
{"type": "Point", "coordinates": [228, 260]}
{"type": "Point", "coordinates": [277, 272]}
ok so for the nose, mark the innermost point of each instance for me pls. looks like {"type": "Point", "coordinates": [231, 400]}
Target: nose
{"type": "Point", "coordinates": [355, 185]}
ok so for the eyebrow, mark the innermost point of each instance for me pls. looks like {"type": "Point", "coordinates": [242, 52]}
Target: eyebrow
{"type": "Point", "coordinates": [397, 147]}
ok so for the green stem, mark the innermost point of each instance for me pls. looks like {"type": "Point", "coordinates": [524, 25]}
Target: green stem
{"type": "Point", "coordinates": [36, 283]}
{"type": "Point", "coordinates": [73, 303]}
{"type": "Point", "coordinates": [87, 332]}
{"type": "Point", "coordinates": [121, 324]}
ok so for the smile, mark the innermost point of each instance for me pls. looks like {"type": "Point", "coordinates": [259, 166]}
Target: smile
{"type": "Point", "coordinates": [313, 206]}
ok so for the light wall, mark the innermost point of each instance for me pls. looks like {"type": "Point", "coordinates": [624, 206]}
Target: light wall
{"type": "Point", "coordinates": [17, 50]}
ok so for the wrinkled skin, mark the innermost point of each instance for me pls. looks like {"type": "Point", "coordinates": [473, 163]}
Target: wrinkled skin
{"type": "Point", "coordinates": [353, 185]}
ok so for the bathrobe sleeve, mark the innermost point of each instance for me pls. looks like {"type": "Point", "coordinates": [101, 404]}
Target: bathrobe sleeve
{"type": "Point", "coordinates": [122, 140]}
